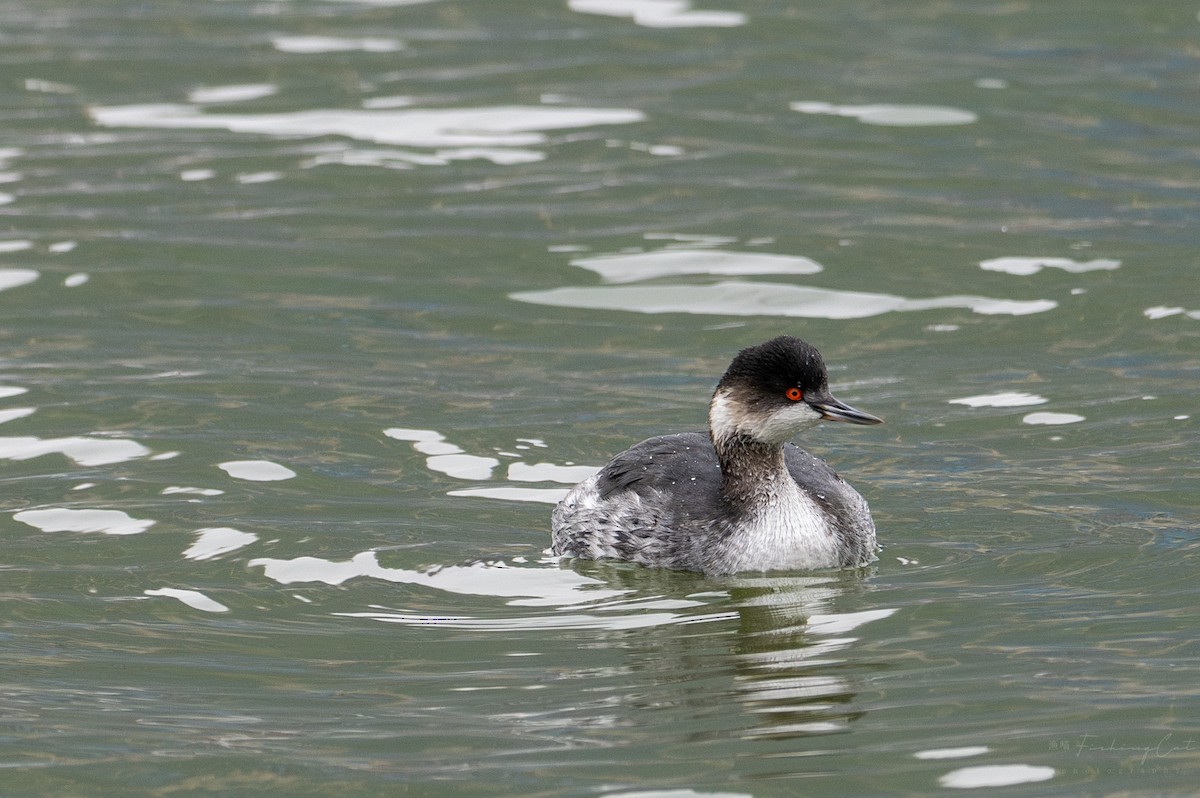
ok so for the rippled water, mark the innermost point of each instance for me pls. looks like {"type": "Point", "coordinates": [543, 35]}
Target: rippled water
{"type": "Point", "coordinates": [312, 310]}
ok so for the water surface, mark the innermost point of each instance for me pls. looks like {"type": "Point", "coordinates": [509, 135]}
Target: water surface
{"type": "Point", "coordinates": [312, 310]}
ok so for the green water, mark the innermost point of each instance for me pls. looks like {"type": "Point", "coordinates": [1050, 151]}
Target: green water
{"type": "Point", "coordinates": [363, 246]}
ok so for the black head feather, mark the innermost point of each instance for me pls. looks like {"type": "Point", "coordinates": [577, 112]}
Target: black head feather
{"type": "Point", "coordinates": [776, 365]}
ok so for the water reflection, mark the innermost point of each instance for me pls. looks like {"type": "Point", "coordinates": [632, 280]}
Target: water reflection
{"type": "Point", "coordinates": [237, 93]}
{"type": "Point", "coordinates": [14, 278]}
{"type": "Point", "coordinates": [311, 45]}
{"type": "Point", "coordinates": [85, 451]}
{"type": "Point", "coordinates": [1164, 311]}
{"type": "Point", "coordinates": [684, 793]}
{"type": "Point", "coordinates": [1025, 266]}
{"type": "Point", "coordinates": [445, 457]}
{"type": "Point", "coordinates": [449, 459]}
{"type": "Point", "coordinates": [637, 266]}
{"type": "Point", "coordinates": [530, 587]}
{"type": "Point", "coordinates": [742, 298]}
{"type": "Point", "coordinates": [660, 13]}
{"type": "Point", "coordinates": [735, 298]}
{"type": "Point", "coordinates": [192, 598]}
{"type": "Point", "coordinates": [514, 494]}
{"type": "Point", "coordinates": [455, 133]}
{"type": "Point", "coordinates": [63, 519]}
{"type": "Point", "coordinates": [215, 541]}
{"type": "Point", "coordinates": [775, 643]}
{"type": "Point", "coordinates": [789, 650]}
{"type": "Point", "coordinates": [1002, 399]}
{"type": "Point", "coordinates": [891, 115]}
{"type": "Point", "coordinates": [256, 470]}
{"type": "Point", "coordinates": [1052, 418]}
{"type": "Point", "coordinates": [995, 776]}
{"type": "Point", "coordinates": [13, 413]}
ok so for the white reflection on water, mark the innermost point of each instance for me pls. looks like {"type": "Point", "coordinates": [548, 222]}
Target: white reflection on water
{"type": "Point", "coordinates": [742, 298]}
{"type": "Point", "coordinates": [1005, 399]}
{"type": "Point", "coordinates": [445, 457]}
{"type": "Point", "coordinates": [660, 13]}
{"type": "Point", "coordinates": [193, 598]}
{"type": "Point", "coordinates": [1164, 311]}
{"type": "Point", "coordinates": [7, 153]}
{"type": "Point", "coordinates": [178, 489]}
{"type": "Point", "coordinates": [675, 794]}
{"type": "Point", "coordinates": [407, 159]}
{"type": "Point", "coordinates": [845, 622]}
{"type": "Point", "coordinates": [215, 541]}
{"type": "Point", "coordinates": [249, 178]}
{"type": "Point", "coordinates": [531, 587]}
{"type": "Point", "coordinates": [629, 268]}
{"type": "Point", "coordinates": [334, 44]}
{"type": "Point", "coordinates": [511, 494]}
{"type": "Point", "coordinates": [1023, 267]}
{"type": "Point", "coordinates": [13, 413]}
{"type": "Point", "coordinates": [995, 776]}
{"type": "Point", "coordinates": [389, 101]}
{"type": "Point", "coordinates": [387, 3]}
{"type": "Point", "coordinates": [241, 92]}
{"type": "Point", "coordinates": [736, 298]}
{"type": "Point", "coordinates": [84, 451]}
{"type": "Point", "coordinates": [952, 753]}
{"type": "Point", "coordinates": [62, 519]}
{"type": "Point", "coordinates": [609, 608]}
{"type": "Point", "coordinates": [256, 470]}
{"type": "Point", "coordinates": [549, 472]}
{"type": "Point", "coordinates": [891, 115]}
{"type": "Point", "coordinates": [13, 278]}
{"type": "Point", "coordinates": [640, 620]}
{"type": "Point", "coordinates": [503, 126]}
{"type": "Point", "coordinates": [48, 87]}
{"type": "Point", "coordinates": [1052, 418]}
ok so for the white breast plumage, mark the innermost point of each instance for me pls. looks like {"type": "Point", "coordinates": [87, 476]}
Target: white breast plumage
{"type": "Point", "coordinates": [789, 531]}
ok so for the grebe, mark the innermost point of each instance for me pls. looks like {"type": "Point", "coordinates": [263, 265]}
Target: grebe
{"type": "Point", "coordinates": [739, 498]}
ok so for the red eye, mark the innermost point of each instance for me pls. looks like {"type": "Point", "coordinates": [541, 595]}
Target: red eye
{"type": "Point", "coordinates": [794, 394]}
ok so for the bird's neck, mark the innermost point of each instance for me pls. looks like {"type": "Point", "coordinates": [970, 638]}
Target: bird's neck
{"type": "Point", "coordinates": [753, 473]}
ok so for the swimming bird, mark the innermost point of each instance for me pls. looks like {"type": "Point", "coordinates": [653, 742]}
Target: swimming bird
{"type": "Point", "coordinates": [737, 498]}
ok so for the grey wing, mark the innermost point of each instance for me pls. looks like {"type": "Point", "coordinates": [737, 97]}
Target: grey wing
{"type": "Point", "coordinates": [640, 506]}
{"type": "Point", "coordinates": [663, 464]}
